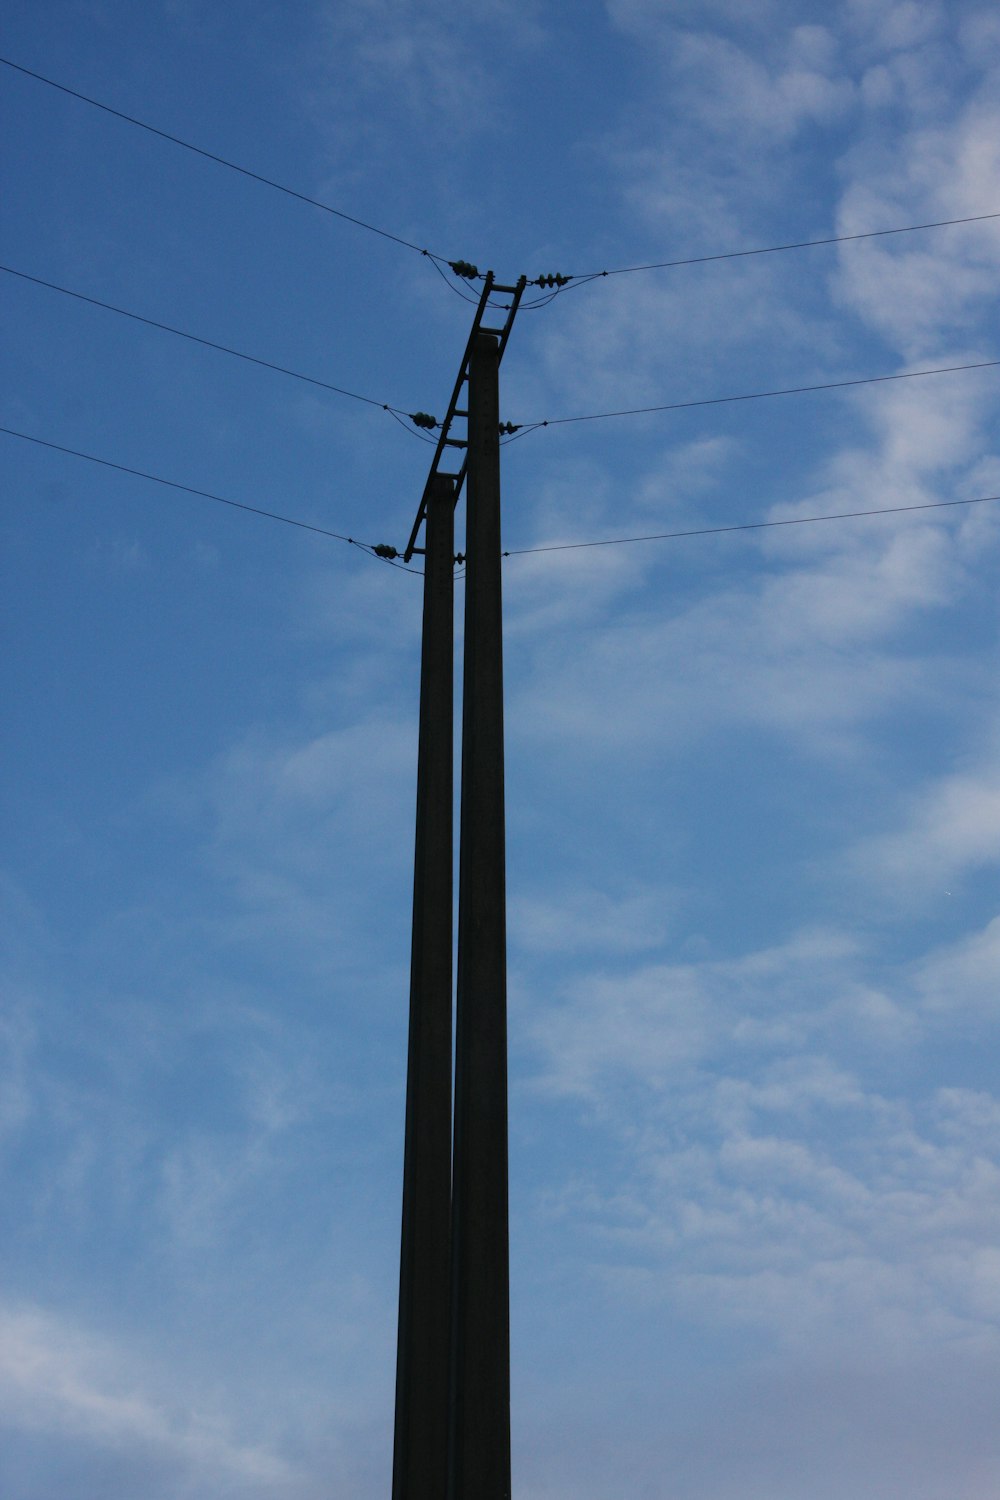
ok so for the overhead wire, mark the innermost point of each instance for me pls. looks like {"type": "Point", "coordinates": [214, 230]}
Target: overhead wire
{"type": "Point", "coordinates": [453, 285]}
{"type": "Point", "coordinates": [188, 489]}
{"type": "Point", "coordinates": [440, 261]}
{"type": "Point", "coordinates": [196, 338]}
{"type": "Point", "coordinates": [574, 284]}
{"type": "Point", "coordinates": [795, 390]}
{"type": "Point", "coordinates": [370, 548]}
{"type": "Point", "coordinates": [380, 557]}
{"type": "Point", "coordinates": [406, 425]}
{"type": "Point", "coordinates": [580, 279]}
{"type": "Point", "coordinates": [404, 418]}
{"type": "Point", "coordinates": [665, 536]}
{"type": "Point", "coordinates": [223, 161]}
{"type": "Point", "coordinates": [398, 413]}
{"type": "Point", "coordinates": [833, 239]}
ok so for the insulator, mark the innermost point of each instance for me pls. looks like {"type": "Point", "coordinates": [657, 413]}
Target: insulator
{"type": "Point", "coordinates": [510, 427]}
{"type": "Point", "coordinates": [382, 550]}
{"type": "Point", "coordinates": [556, 279]}
{"type": "Point", "coordinates": [464, 268]}
{"type": "Point", "coordinates": [422, 419]}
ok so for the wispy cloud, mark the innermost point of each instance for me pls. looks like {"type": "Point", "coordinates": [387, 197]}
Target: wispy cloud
{"type": "Point", "coordinates": [773, 1174]}
{"type": "Point", "coordinates": [56, 1380]}
{"type": "Point", "coordinates": [950, 831]}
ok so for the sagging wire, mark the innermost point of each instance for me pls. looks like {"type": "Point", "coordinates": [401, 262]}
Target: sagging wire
{"type": "Point", "coordinates": [197, 338]}
{"type": "Point", "coordinates": [223, 161]}
{"type": "Point", "coordinates": [795, 390]}
{"type": "Point", "coordinates": [405, 419]}
{"type": "Point", "coordinates": [833, 239]}
{"type": "Point", "coordinates": [520, 431]}
{"type": "Point", "coordinates": [424, 419]}
{"type": "Point", "coordinates": [574, 284]}
{"type": "Point", "coordinates": [386, 554]}
{"type": "Point", "coordinates": [669, 536]}
{"type": "Point", "coordinates": [271, 515]}
{"type": "Point", "coordinates": [560, 283]}
{"type": "Point", "coordinates": [451, 285]}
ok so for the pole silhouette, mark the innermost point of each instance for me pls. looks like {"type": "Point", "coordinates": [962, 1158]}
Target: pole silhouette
{"type": "Point", "coordinates": [452, 1430]}
{"type": "Point", "coordinates": [423, 1352]}
{"type": "Point", "coordinates": [479, 1446]}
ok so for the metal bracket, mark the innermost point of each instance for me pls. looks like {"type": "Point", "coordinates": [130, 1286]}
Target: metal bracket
{"type": "Point", "coordinates": [444, 441]}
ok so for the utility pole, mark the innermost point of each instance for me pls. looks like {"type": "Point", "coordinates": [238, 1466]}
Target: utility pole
{"type": "Point", "coordinates": [479, 1463]}
{"type": "Point", "coordinates": [452, 1433]}
{"type": "Point", "coordinates": [423, 1352]}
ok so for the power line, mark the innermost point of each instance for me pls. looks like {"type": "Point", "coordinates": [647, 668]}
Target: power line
{"type": "Point", "coordinates": [664, 536]}
{"type": "Point", "coordinates": [579, 279]}
{"type": "Point", "coordinates": [795, 390]}
{"type": "Point", "coordinates": [618, 541]}
{"type": "Point", "coordinates": [223, 161]}
{"type": "Point", "coordinates": [833, 239]}
{"type": "Point", "coordinates": [584, 278]}
{"type": "Point", "coordinates": [195, 338]}
{"type": "Point", "coordinates": [188, 489]}
{"type": "Point", "coordinates": [523, 428]}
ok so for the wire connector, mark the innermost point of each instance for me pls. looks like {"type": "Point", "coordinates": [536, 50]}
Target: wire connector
{"type": "Point", "coordinates": [423, 419]}
{"type": "Point", "coordinates": [382, 550]}
{"type": "Point", "coordinates": [556, 279]}
{"type": "Point", "coordinates": [464, 268]}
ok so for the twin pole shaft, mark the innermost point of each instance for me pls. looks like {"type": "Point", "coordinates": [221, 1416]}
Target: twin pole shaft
{"type": "Point", "coordinates": [452, 1432]}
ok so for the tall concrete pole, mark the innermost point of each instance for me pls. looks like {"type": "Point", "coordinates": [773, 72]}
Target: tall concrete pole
{"type": "Point", "coordinates": [479, 1467]}
{"type": "Point", "coordinates": [420, 1457]}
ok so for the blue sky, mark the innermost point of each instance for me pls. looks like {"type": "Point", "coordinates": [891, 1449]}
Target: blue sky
{"type": "Point", "coordinates": [753, 796]}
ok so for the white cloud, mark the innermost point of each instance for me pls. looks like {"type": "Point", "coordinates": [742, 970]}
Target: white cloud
{"type": "Point", "coordinates": [633, 343]}
{"type": "Point", "coordinates": [204, 1185]}
{"type": "Point", "coordinates": [811, 646]}
{"type": "Point", "coordinates": [588, 921]}
{"type": "Point", "coordinates": [776, 1167]}
{"type": "Point", "coordinates": [951, 830]}
{"type": "Point", "coordinates": [282, 812]}
{"type": "Point", "coordinates": [727, 86]}
{"type": "Point", "coordinates": [776, 655]}
{"type": "Point", "coordinates": [56, 1379]}
{"type": "Point", "coordinates": [971, 1116]}
{"type": "Point", "coordinates": [891, 27]}
{"type": "Point", "coordinates": [657, 1022]}
{"type": "Point", "coordinates": [423, 55]}
{"type": "Point", "coordinates": [775, 101]}
{"type": "Point", "coordinates": [763, 1184]}
{"type": "Point", "coordinates": [965, 978]}
{"type": "Point", "coordinates": [919, 292]}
